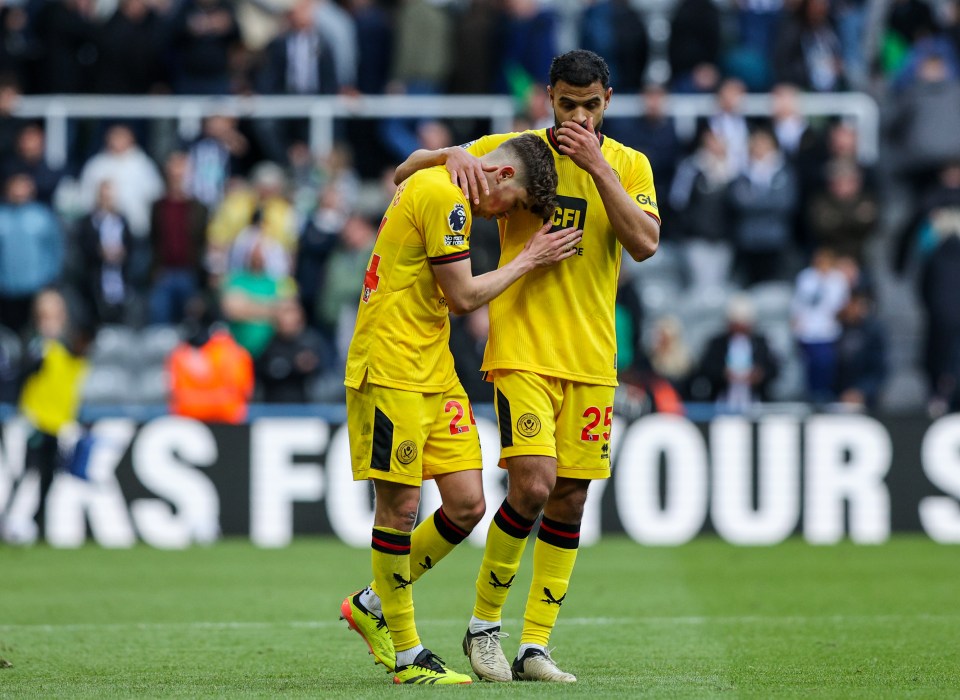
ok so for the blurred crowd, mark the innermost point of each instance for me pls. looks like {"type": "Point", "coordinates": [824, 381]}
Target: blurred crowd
{"type": "Point", "coordinates": [254, 247]}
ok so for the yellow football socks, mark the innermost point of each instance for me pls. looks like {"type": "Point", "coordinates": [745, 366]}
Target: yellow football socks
{"type": "Point", "coordinates": [391, 574]}
{"type": "Point", "coordinates": [554, 555]}
{"type": "Point", "coordinates": [506, 540]}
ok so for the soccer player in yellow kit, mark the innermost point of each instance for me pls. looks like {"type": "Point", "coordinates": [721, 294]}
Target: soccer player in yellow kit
{"type": "Point", "coordinates": [552, 357]}
{"type": "Point", "coordinates": [408, 417]}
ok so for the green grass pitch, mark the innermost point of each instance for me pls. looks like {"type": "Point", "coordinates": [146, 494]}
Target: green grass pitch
{"type": "Point", "coordinates": [703, 620]}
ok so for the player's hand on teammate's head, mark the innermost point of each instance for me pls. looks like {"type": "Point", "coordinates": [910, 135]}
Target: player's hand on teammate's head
{"type": "Point", "coordinates": [467, 173]}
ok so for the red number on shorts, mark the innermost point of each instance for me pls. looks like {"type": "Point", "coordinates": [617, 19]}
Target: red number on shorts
{"type": "Point", "coordinates": [594, 414]}
{"type": "Point", "coordinates": [455, 428]}
{"type": "Point", "coordinates": [586, 434]}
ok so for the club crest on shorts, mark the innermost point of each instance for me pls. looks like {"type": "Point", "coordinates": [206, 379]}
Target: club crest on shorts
{"type": "Point", "coordinates": [406, 452]}
{"type": "Point", "coordinates": [457, 218]}
{"type": "Point", "coordinates": [528, 425]}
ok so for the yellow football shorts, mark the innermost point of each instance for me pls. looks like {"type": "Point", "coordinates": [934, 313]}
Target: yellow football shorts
{"type": "Point", "coordinates": [567, 420]}
{"type": "Point", "coordinates": [405, 436]}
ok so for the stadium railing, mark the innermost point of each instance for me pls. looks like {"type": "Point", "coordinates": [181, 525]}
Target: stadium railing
{"type": "Point", "coordinates": [322, 112]}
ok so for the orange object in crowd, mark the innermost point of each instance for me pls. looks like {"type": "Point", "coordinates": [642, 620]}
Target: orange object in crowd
{"type": "Point", "coordinates": [213, 382]}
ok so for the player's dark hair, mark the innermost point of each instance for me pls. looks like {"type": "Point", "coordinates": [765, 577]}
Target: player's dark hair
{"type": "Point", "coordinates": [539, 174]}
{"type": "Point", "coordinates": [580, 68]}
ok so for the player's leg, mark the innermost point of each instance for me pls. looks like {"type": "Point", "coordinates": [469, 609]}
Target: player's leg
{"type": "Point", "coordinates": [554, 556]}
{"type": "Point", "coordinates": [451, 456]}
{"type": "Point", "coordinates": [42, 455]}
{"type": "Point", "coordinates": [389, 431]}
{"type": "Point", "coordinates": [462, 508]}
{"type": "Point", "coordinates": [525, 414]}
{"type": "Point", "coordinates": [530, 482]}
{"type": "Point", "coordinates": [583, 449]}
{"type": "Point", "coordinates": [396, 511]}
{"type": "Point", "coordinates": [382, 425]}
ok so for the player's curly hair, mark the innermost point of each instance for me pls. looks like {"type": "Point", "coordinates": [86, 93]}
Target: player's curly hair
{"type": "Point", "coordinates": [580, 68]}
{"type": "Point", "coordinates": [538, 174]}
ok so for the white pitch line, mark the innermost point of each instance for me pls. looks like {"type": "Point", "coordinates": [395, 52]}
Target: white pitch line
{"type": "Point", "coordinates": [574, 621]}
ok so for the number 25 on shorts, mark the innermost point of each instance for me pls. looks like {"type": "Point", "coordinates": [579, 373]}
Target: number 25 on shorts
{"type": "Point", "coordinates": [594, 416]}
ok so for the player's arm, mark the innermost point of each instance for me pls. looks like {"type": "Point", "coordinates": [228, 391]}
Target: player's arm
{"type": "Point", "coordinates": [637, 231]}
{"type": "Point", "coordinates": [464, 292]}
{"type": "Point", "coordinates": [466, 170]}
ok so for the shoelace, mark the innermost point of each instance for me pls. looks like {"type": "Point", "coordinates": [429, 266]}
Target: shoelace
{"type": "Point", "coordinates": [488, 642]}
{"type": "Point", "coordinates": [432, 663]}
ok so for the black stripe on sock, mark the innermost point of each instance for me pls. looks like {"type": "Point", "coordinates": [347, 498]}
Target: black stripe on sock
{"type": "Point", "coordinates": [559, 534]}
{"type": "Point", "coordinates": [505, 421]}
{"type": "Point", "coordinates": [447, 528]}
{"type": "Point", "coordinates": [382, 441]}
{"type": "Point", "coordinates": [511, 522]}
{"type": "Point", "coordinates": [390, 542]}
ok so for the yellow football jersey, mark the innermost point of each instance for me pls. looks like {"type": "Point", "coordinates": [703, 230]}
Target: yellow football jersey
{"type": "Point", "coordinates": [51, 397]}
{"type": "Point", "coordinates": [559, 321]}
{"type": "Point", "coordinates": [402, 334]}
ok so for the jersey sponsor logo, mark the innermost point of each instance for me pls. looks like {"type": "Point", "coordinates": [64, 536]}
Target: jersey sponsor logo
{"type": "Point", "coordinates": [406, 452]}
{"type": "Point", "coordinates": [571, 211]}
{"type": "Point", "coordinates": [605, 451]}
{"type": "Point", "coordinates": [644, 200]}
{"type": "Point", "coordinates": [528, 425]}
{"type": "Point", "coordinates": [457, 218]}
{"type": "Point", "coordinates": [455, 239]}
{"type": "Point", "coordinates": [467, 144]}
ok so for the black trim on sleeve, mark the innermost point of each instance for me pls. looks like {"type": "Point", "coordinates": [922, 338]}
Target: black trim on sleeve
{"type": "Point", "coordinates": [450, 257]}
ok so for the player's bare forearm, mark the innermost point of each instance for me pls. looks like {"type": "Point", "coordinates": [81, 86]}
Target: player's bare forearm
{"type": "Point", "coordinates": [466, 170]}
{"type": "Point", "coordinates": [418, 160]}
{"type": "Point", "coordinates": [637, 231]}
{"type": "Point", "coordinates": [465, 293]}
